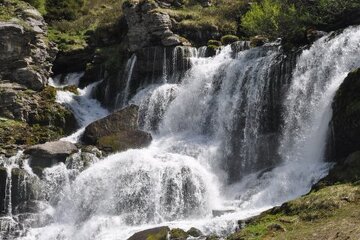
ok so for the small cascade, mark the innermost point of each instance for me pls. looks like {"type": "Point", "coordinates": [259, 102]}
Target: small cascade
{"type": "Point", "coordinates": [124, 95]}
{"type": "Point", "coordinates": [85, 108]}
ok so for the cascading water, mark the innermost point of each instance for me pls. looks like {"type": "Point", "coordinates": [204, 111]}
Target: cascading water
{"type": "Point", "coordinates": [214, 139]}
{"type": "Point", "coordinates": [85, 108]}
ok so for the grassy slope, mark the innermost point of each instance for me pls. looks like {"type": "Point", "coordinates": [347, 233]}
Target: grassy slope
{"type": "Point", "coordinates": [72, 35]}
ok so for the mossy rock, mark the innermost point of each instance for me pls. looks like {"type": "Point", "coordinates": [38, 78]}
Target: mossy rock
{"type": "Point", "coordinates": [214, 43]}
{"type": "Point", "coordinates": [71, 88]}
{"type": "Point", "coordinates": [229, 39]}
{"type": "Point", "coordinates": [178, 234]}
{"type": "Point", "coordinates": [159, 233]}
{"type": "Point", "coordinates": [194, 232]}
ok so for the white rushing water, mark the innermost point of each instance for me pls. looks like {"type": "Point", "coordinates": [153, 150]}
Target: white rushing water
{"type": "Point", "coordinates": [85, 108]}
{"type": "Point", "coordinates": [206, 152]}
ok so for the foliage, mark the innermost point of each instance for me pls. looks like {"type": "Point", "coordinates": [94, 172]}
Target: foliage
{"type": "Point", "coordinates": [274, 19]}
{"type": "Point", "coordinates": [63, 9]}
{"type": "Point", "coordinates": [39, 4]}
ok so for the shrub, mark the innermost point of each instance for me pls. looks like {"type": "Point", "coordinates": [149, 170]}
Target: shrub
{"type": "Point", "coordinates": [39, 4]}
{"type": "Point", "coordinates": [63, 9]}
{"type": "Point", "coordinates": [229, 39]}
{"type": "Point", "coordinates": [274, 19]}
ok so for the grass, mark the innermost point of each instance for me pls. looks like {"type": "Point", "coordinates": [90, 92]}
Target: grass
{"type": "Point", "coordinates": [223, 15]}
{"type": "Point", "coordinates": [96, 14]}
{"type": "Point", "coordinates": [322, 214]}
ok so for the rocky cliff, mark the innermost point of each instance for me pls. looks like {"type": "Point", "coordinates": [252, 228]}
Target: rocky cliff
{"type": "Point", "coordinates": [28, 111]}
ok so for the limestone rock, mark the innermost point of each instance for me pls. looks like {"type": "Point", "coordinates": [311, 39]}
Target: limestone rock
{"type": "Point", "coordinates": [50, 153]}
{"type": "Point", "coordinates": [117, 132]}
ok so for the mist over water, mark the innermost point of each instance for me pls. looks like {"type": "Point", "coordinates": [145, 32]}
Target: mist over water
{"type": "Point", "coordinates": [220, 143]}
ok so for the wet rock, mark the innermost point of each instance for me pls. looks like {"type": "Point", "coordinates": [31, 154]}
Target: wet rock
{"type": "Point", "coordinates": [159, 233]}
{"type": "Point", "coordinates": [218, 213]}
{"type": "Point", "coordinates": [3, 178]}
{"type": "Point", "coordinates": [50, 153]}
{"type": "Point", "coordinates": [84, 158]}
{"type": "Point", "coordinates": [346, 118]}
{"type": "Point", "coordinates": [312, 35]}
{"type": "Point", "coordinates": [258, 41]}
{"type": "Point", "coordinates": [194, 232]}
{"type": "Point", "coordinates": [117, 132]}
{"type": "Point", "coordinates": [178, 234]}
{"type": "Point", "coordinates": [23, 188]}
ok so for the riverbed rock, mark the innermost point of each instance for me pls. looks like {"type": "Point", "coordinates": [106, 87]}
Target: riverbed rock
{"type": "Point", "coordinates": [25, 52]}
{"type": "Point", "coordinates": [50, 153]}
{"type": "Point", "coordinates": [194, 232]}
{"type": "Point", "coordinates": [159, 233]}
{"type": "Point", "coordinates": [346, 118]}
{"type": "Point", "coordinates": [117, 132]}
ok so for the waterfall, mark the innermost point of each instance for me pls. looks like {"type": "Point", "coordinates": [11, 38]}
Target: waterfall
{"type": "Point", "coordinates": [129, 68]}
{"type": "Point", "coordinates": [241, 131]}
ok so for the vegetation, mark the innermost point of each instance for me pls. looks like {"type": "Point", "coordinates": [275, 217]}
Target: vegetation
{"type": "Point", "coordinates": [290, 18]}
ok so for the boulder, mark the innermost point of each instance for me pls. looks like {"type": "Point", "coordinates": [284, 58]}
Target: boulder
{"type": "Point", "coordinates": [50, 153]}
{"type": "Point", "coordinates": [159, 233]}
{"type": "Point", "coordinates": [194, 232]}
{"type": "Point", "coordinates": [117, 132]}
{"type": "Point", "coordinates": [178, 234]}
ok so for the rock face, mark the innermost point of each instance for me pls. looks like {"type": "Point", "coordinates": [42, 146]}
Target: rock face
{"type": "Point", "coordinates": [23, 188]}
{"type": "Point", "coordinates": [346, 118]}
{"type": "Point", "coordinates": [25, 53]}
{"type": "Point", "coordinates": [148, 27]}
{"type": "Point", "coordinates": [50, 153]}
{"type": "Point", "coordinates": [117, 132]}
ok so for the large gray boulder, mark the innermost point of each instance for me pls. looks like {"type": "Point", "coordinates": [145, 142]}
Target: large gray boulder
{"type": "Point", "coordinates": [50, 153]}
{"type": "Point", "coordinates": [117, 132]}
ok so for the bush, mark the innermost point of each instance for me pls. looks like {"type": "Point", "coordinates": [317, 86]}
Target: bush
{"type": "Point", "coordinates": [274, 19]}
{"type": "Point", "coordinates": [63, 9]}
{"type": "Point", "coordinates": [39, 4]}
{"type": "Point", "coordinates": [229, 39]}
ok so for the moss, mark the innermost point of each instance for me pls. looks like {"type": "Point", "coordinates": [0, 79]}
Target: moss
{"type": "Point", "coordinates": [71, 88]}
{"type": "Point", "coordinates": [214, 43]}
{"type": "Point", "coordinates": [178, 233]}
{"type": "Point", "coordinates": [229, 39]}
{"type": "Point", "coordinates": [161, 235]}
{"type": "Point", "coordinates": [48, 93]}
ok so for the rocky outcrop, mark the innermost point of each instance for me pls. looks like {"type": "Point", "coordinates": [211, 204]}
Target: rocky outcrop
{"type": "Point", "coordinates": [148, 27]}
{"type": "Point", "coordinates": [25, 52]}
{"type": "Point", "coordinates": [50, 153]}
{"type": "Point", "coordinates": [346, 118]}
{"type": "Point", "coordinates": [117, 132]}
